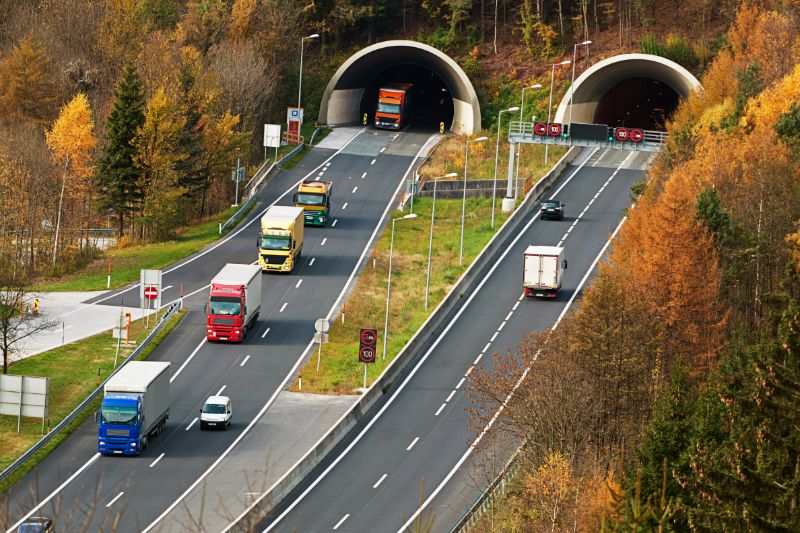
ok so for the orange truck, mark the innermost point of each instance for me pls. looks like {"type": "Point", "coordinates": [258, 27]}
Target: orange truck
{"type": "Point", "coordinates": [393, 106]}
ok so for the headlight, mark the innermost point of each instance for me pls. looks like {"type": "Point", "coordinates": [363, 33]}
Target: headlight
{"type": "Point", "coordinates": [133, 445]}
{"type": "Point", "coordinates": [102, 443]}
{"type": "Point", "coordinates": [237, 332]}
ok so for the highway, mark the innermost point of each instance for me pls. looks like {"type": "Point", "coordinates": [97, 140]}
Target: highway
{"type": "Point", "coordinates": [421, 430]}
{"type": "Point", "coordinates": [86, 492]}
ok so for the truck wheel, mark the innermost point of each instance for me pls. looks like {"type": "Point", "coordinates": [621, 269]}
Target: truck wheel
{"type": "Point", "coordinates": [144, 444]}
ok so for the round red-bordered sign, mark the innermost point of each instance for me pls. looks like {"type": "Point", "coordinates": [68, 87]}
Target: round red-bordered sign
{"type": "Point", "coordinates": [368, 336]}
{"type": "Point", "coordinates": [151, 292]}
{"type": "Point", "coordinates": [366, 354]}
{"type": "Point", "coordinates": [621, 134]}
{"type": "Point", "coordinates": [540, 128]}
{"type": "Point", "coordinates": [636, 135]}
{"type": "Point", "coordinates": [554, 130]}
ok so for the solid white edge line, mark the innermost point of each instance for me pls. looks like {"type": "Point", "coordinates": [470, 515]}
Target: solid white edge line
{"type": "Point", "coordinates": [246, 359]}
{"type": "Point", "coordinates": [409, 376]}
{"type": "Point", "coordinates": [413, 442]}
{"type": "Point", "coordinates": [154, 463]}
{"type": "Point", "coordinates": [510, 394]}
{"type": "Point", "coordinates": [117, 497]}
{"type": "Point", "coordinates": [377, 483]}
{"type": "Point", "coordinates": [191, 356]}
{"type": "Point", "coordinates": [244, 227]}
{"type": "Point", "coordinates": [53, 494]}
{"type": "Point", "coordinates": [298, 362]}
{"type": "Point", "coordinates": [340, 522]}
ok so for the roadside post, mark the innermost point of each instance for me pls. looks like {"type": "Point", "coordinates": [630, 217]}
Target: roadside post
{"type": "Point", "coordinates": [367, 348]}
{"type": "Point", "coordinates": [321, 336]}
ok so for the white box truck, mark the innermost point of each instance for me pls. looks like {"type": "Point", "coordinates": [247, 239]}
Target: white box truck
{"type": "Point", "coordinates": [542, 270]}
{"type": "Point", "coordinates": [135, 407]}
{"type": "Point", "coordinates": [234, 302]}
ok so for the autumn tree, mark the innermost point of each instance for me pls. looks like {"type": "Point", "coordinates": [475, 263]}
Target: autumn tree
{"type": "Point", "coordinates": [17, 322]}
{"type": "Point", "coordinates": [157, 156]}
{"type": "Point", "coordinates": [221, 142]}
{"type": "Point", "coordinates": [118, 177]}
{"type": "Point", "coordinates": [27, 83]}
{"type": "Point", "coordinates": [71, 141]}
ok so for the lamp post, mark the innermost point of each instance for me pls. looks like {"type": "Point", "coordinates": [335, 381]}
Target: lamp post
{"type": "Point", "coordinates": [430, 242]}
{"type": "Point", "coordinates": [389, 284]}
{"type": "Point", "coordinates": [572, 84]}
{"type": "Point", "coordinates": [300, 83]}
{"type": "Point", "coordinates": [496, 158]}
{"type": "Point", "coordinates": [464, 201]}
{"type": "Point", "coordinates": [519, 145]}
{"type": "Point", "coordinates": [550, 103]}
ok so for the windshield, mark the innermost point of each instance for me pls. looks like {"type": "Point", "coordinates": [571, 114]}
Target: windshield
{"type": "Point", "coordinates": [214, 408]}
{"type": "Point", "coordinates": [388, 108]}
{"type": "Point", "coordinates": [311, 199]}
{"type": "Point", "coordinates": [119, 415]}
{"type": "Point", "coordinates": [275, 243]}
{"type": "Point", "coordinates": [550, 204]}
{"type": "Point", "coordinates": [30, 528]}
{"type": "Point", "coordinates": [224, 305]}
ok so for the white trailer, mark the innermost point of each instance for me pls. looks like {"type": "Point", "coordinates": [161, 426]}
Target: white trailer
{"type": "Point", "coordinates": [542, 270]}
{"type": "Point", "coordinates": [234, 302]}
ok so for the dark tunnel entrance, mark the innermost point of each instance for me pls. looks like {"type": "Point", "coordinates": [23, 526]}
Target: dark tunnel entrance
{"type": "Point", "coordinates": [637, 103]}
{"type": "Point", "coordinates": [430, 102]}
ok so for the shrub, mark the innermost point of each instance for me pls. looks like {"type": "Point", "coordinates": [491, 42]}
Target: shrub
{"type": "Point", "coordinates": [679, 51]}
{"type": "Point", "coordinates": [650, 45]}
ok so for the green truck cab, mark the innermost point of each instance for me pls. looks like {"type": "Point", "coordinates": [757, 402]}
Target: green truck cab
{"type": "Point", "coordinates": [315, 199]}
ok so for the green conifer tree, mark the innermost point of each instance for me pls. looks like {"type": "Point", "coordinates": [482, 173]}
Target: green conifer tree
{"type": "Point", "coordinates": [117, 176]}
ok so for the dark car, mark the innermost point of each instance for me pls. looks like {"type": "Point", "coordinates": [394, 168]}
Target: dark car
{"type": "Point", "coordinates": [37, 524]}
{"type": "Point", "coordinates": [552, 209]}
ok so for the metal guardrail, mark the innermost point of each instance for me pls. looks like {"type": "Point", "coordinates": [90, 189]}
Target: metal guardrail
{"type": "Point", "coordinates": [652, 140]}
{"type": "Point", "coordinates": [258, 178]}
{"type": "Point", "coordinates": [71, 417]}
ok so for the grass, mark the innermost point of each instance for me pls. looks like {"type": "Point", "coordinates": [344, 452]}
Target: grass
{"type": "Point", "coordinates": [340, 372]}
{"type": "Point", "coordinates": [75, 370]}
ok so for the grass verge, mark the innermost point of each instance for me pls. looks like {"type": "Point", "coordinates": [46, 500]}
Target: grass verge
{"type": "Point", "coordinates": [75, 370]}
{"type": "Point", "coordinates": [340, 371]}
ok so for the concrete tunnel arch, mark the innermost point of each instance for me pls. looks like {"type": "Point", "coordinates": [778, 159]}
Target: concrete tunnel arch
{"type": "Point", "coordinates": [597, 89]}
{"type": "Point", "coordinates": [341, 101]}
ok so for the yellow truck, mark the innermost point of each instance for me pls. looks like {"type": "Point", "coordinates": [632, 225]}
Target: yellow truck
{"type": "Point", "coordinates": [280, 241]}
{"type": "Point", "coordinates": [315, 198]}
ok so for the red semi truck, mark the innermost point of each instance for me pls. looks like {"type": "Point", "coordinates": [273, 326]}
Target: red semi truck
{"type": "Point", "coordinates": [234, 302]}
{"type": "Point", "coordinates": [394, 102]}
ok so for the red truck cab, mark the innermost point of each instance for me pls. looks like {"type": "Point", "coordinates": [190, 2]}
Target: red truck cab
{"type": "Point", "coordinates": [234, 302]}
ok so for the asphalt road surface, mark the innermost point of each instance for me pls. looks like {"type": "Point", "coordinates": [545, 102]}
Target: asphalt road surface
{"type": "Point", "coordinates": [86, 492]}
{"type": "Point", "coordinates": [420, 432]}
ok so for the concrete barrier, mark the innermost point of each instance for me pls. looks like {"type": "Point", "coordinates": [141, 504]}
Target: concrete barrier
{"type": "Point", "coordinates": [411, 352]}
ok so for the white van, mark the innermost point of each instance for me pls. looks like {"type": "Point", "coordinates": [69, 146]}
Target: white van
{"type": "Point", "coordinates": [216, 413]}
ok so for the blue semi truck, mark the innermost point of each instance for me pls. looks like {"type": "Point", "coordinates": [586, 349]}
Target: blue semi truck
{"type": "Point", "coordinates": [135, 408]}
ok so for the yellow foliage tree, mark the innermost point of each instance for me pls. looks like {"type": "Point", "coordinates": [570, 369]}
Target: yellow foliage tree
{"type": "Point", "coordinates": [27, 86]}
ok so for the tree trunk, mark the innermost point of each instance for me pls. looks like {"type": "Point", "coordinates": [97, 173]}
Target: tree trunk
{"type": "Point", "coordinates": [495, 26]}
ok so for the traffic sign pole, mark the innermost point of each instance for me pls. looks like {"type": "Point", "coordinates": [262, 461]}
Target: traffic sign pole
{"type": "Point", "coordinates": [365, 375]}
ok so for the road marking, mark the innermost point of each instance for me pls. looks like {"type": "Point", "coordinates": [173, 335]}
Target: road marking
{"type": "Point", "coordinates": [191, 356]}
{"type": "Point", "coordinates": [377, 483]}
{"type": "Point", "coordinates": [355, 189]}
{"type": "Point", "coordinates": [372, 162]}
{"type": "Point", "coordinates": [477, 359]}
{"type": "Point", "coordinates": [323, 241]}
{"type": "Point", "coordinates": [413, 442]}
{"type": "Point", "coordinates": [191, 424]}
{"type": "Point", "coordinates": [382, 149]}
{"type": "Point", "coordinates": [299, 282]}
{"type": "Point", "coordinates": [439, 410]}
{"type": "Point", "coordinates": [154, 463]}
{"type": "Point", "coordinates": [450, 396]}
{"type": "Point", "coordinates": [283, 307]}
{"type": "Point", "coordinates": [317, 178]}
{"type": "Point", "coordinates": [67, 327]}
{"type": "Point", "coordinates": [327, 164]}
{"type": "Point", "coordinates": [167, 287]}
{"type": "Point", "coordinates": [515, 306]}
{"type": "Point", "coordinates": [508, 316]}
{"type": "Point", "coordinates": [312, 261]}
{"type": "Point", "coordinates": [487, 346]}
{"type": "Point", "coordinates": [521, 296]}
{"type": "Point", "coordinates": [339, 523]}
{"type": "Point", "coordinates": [496, 333]}
{"type": "Point", "coordinates": [396, 135]}
{"type": "Point", "coordinates": [53, 494]}
{"type": "Point", "coordinates": [220, 390]}
{"type": "Point", "coordinates": [117, 497]}
{"type": "Point", "coordinates": [344, 206]}
{"type": "Point", "coordinates": [256, 218]}
{"type": "Point", "coordinates": [247, 358]}
{"type": "Point", "coordinates": [460, 383]}
{"type": "Point", "coordinates": [364, 175]}
{"type": "Point", "coordinates": [264, 334]}
{"type": "Point", "coordinates": [501, 326]}
{"type": "Point", "coordinates": [469, 371]}
{"type": "Point", "coordinates": [334, 222]}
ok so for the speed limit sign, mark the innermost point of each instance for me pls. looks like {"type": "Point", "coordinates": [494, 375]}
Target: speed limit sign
{"type": "Point", "coordinates": [621, 134]}
{"type": "Point", "coordinates": [366, 354]}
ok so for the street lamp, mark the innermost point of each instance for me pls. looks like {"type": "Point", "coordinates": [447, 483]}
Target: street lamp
{"type": "Point", "coordinates": [572, 83]}
{"type": "Point", "coordinates": [300, 83]}
{"type": "Point", "coordinates": [389, 284]}
{"type": "Point", "coordinates": [550, 104]}
{"type": "Point", "coordinates": [496, 157]}
{"type": "Point", "coordinates": [464, 201]}
{"type": "Point", "coordinates": [519, 145]}
{"type": "Point", "coordinates": [430, 243]}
